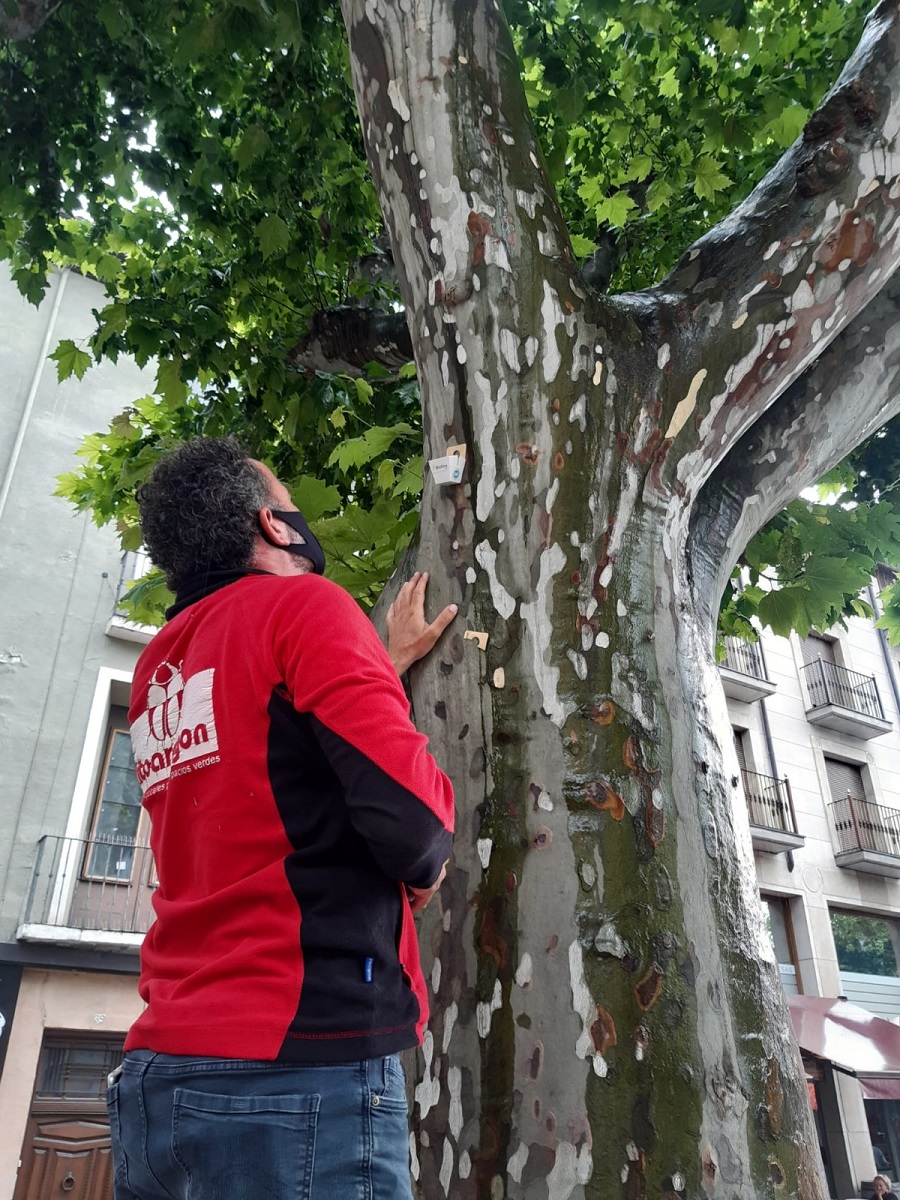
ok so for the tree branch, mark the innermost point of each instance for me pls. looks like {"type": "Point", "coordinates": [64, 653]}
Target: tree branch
{"type": "Point", "coordinates": [465, 196]}
{"type": "Point", "coordinates": [753, 303]}
{"type": "Point", "coordinates": [850, 392]}
{"type": "Point", "coordinates": [347, 339]}
{"type": "Point", "coordinates": [26, 19]}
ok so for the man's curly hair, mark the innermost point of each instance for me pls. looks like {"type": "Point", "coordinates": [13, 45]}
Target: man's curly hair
{"type": "Point", "coordinates": [199, 509]}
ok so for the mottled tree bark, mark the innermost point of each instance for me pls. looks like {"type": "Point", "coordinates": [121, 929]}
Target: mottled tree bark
{"type": "Point", "coordinates": [607, 1019]}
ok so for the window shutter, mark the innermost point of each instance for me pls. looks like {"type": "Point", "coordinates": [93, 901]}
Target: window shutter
{"type": "Point", "coordinates": [815, 647]}
{"type": "Point", "coordinates": [739, 747]}
{"type": "Point", "coordinates": [844, 779]}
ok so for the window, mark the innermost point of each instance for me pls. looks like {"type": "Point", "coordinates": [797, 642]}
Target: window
{"type": "Point", "coordinates": [778, 923]}
{"type": "Point", "coordinates": [76, 1069]}
{"type": "Point", "coordinates": [845, 780]}
{"type": "Point", "coordinates": [883, 1118]}
{"type": "Point", "coordinates": [816, 647]}
{"type": "Point", "coordinates": [117, 813]}
{"type": "Point", "coordinates": [864, 943]}
{"type": "Point", "coordinates": [740, 747]}
{"type": "Point", "coordinates": [860, 823]}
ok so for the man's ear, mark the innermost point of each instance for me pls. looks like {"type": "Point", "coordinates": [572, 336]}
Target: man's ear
{"type": "Point", "coordinates": [273, 529]}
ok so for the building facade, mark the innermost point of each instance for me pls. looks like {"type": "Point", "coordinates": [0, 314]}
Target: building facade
{"type": "Point", "coordinates": [816, 727]}
{"type": "Point", "coordinates": [74, 880]}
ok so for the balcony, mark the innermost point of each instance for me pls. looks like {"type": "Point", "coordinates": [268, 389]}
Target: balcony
{"type": "Point", "coordinates": [743, 671]}
{"type": "Point", "coordinates": [844, 700]}
{"type": "Point", "coordinates": [868, 836]}
{"type": "Point", "coordinates": [770, 807]}
{"type": "Point", "coordinates": [135, 565]}
{"type": "Point", "coordinates": [92, 893]}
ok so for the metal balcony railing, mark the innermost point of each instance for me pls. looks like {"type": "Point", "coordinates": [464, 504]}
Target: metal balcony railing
{"type": "Point", "coordinates": [744, 657]}
{"type": "Point", "coordinates": [769, 802]}
{"type": "Point", "coordinates": [101, 884]}
{"type": "Point", "coordinates": [862, 825]}
{"type": "Point", "coordinates": [827, 683]}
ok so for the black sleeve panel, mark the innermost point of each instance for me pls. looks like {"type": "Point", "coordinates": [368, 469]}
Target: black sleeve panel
{"type": "Point", "coordinates": [406, 839]}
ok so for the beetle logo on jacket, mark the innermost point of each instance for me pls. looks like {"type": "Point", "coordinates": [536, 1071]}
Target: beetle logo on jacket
{"type": "Point", "coordinates": [176, 733]}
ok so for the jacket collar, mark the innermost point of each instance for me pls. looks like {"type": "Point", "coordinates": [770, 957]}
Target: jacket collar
{"type": "Point", "coordinates": [203, 584]}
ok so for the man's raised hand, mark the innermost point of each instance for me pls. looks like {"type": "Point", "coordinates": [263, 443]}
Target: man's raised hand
{"type": "Point", "coordinates": [410, 636]}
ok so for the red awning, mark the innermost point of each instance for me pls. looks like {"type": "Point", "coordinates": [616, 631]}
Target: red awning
{"type": "Point", "coordinates": [854, 1040]}
{"type": "Point", "coordinates": [880, 1089]}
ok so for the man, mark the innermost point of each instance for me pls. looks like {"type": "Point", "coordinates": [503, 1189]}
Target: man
{"type": "Point", "coordinates": [297, 822]}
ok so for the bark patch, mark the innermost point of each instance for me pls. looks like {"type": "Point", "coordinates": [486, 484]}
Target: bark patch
{"type": "Point", "coordinates": [529, 453]}
{"type": "Point", "coordinates": [479, 229]}
{"type": "Point", "coordinates": [853, 240]}
{"type": "Point", "coordinates": [603, 1031]}
{"type": "Point", "coordinates": [490, 940]}
{"type": "Point", "coordinates": [774, 1098]}
{"type": "Point", "coordinates": [536, 1062]}
{"type": "Point", "coordinates": [656, 824]}
{"type": "Point", "coordinates": [602, 796]}
{"type": "Point", "coordinates": [649, 989]}
{"type": "Point", "coordinates": [603, 714]}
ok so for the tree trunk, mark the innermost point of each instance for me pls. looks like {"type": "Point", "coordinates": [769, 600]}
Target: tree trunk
{"type": "Point", "coordinates": [607, 1014]}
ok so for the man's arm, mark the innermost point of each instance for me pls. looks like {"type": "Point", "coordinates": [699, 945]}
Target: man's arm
{"type": "Point", "coordinates": [337, 671]}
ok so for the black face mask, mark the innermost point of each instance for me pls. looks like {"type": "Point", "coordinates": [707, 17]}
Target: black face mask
{"type": "Point", "coordinates": [309, 548]}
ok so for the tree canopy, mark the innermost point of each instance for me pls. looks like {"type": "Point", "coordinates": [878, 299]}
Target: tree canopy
{"type": "Point", "coordinates": [204, 162]}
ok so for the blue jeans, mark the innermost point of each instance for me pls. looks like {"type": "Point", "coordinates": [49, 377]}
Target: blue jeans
{"type": "Point", "coordinates": [231, 1129]}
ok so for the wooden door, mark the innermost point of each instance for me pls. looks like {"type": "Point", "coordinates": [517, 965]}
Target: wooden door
{"type": "Point", "coordinates": [66, 1157]}
{"type": "Point", "coordinates": [67, 1151]}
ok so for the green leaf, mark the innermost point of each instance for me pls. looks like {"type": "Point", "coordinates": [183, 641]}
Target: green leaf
{"type": "Point", "coordinates": [788, 125]}
{"type": "Point", "coordinates": [386, 475]}
{"type": "Point", "coordinates": [407, 371]}
{"type": "Point", "coordinates": [70, 360]}
{"type": "Point", "coordinates": [833, 576]}
{"type": "Point", "coordinates": [890, 620]}
{"type": "Point", "coordinates": [108, 267]}
{"type": "Point", "coordinates": [708, 178]}
{"type": "Point", "coordinates": [409, 481]}
{"type": "Point", "coordinates": [356, 452]}
{"type": "Point", "coordinates": [659, 193]}
{"type": "Point", "coordinates": [254, 142]}
{"type": "Point", "coordinates": [273, 235]}
{"type": "Point", "coordinates": [785, 609]}
{"type": "Point", "coordinates": [169, 383]}
{"type": "Point", "coordinates": [669, 85]}
{"type": "Point", "coordinates": [147, 599]}
{"type": "Point", "coordinates": [129, 535]}
{"type": "Point", "coordinates": [614, 209]}
{"type": "Point", "coordinates": [582, 247]}
{"type": "Point", "coordinates": [113, 20]}
{"type": "Point", "coordinates": [314, 498]}
{"type": "Point", "coordinates": [639, 168]}
{"type": "Point", "coordinates": [364, 390]}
